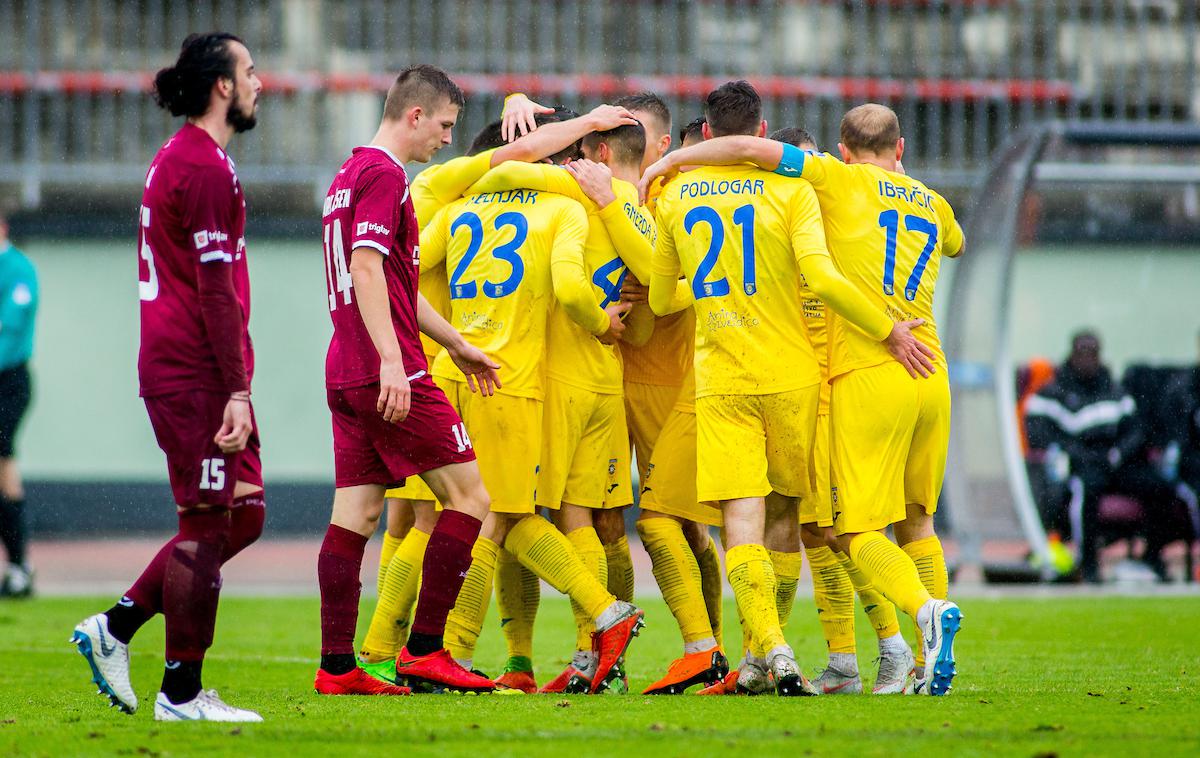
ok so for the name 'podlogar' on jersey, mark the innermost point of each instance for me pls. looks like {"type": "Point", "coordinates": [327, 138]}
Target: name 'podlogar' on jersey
{"type": "Point", "coordinates": [737, 232]}
{"type": "Point", "coordinates": [887, 233]}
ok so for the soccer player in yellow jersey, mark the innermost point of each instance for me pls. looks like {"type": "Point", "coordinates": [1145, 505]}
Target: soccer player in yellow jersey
{"type": "Point", "coordinates": [411, 513]}
{"type": "Point", "coordinates": [511, 255]}
{"type": "Point", "coordinates": [888, 233]}
{"type": "Point", "coordinates": [743, 238]}
{"type": "Point", "coordinates": [585, 448]}
{"type": "Point", "coordinates": [835, 577]}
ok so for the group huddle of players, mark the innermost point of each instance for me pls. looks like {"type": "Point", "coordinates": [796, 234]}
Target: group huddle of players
{"type": "Point", "coordinates": [508, 329]}
{"type": "Point", "coordinates": [581, 388]}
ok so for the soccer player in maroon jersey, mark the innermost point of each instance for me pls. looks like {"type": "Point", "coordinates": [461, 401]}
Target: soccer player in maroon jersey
{"type": "Point", "coordinates": [195, 367]}
{"type": "Point", "coordinates": [390, 421]}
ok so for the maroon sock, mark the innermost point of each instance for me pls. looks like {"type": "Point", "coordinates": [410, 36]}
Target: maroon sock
{"type": "Point", "coordinates": [337, 572]}
{"type": "Point", "coordinates": [192, 582]}
{"type": "Point", "coordinates": [447, 559]}
{"type": "Point", "coordinates": [144, 599]}
{"type": "Point", "coordinates": [246, 518]}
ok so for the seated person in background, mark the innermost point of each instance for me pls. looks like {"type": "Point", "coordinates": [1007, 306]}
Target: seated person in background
{"type": "Point", "coordinates": [1180, 461]}
{"type": "Point", "coordinates": [1090, 432]}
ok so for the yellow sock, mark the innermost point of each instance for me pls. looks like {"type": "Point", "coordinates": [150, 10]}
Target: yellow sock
{"type": "Point", "coordinates": [677, 574]}
{"type": "Point", "coordinates": [546, 552]}
{"type": "Point", "coordinates": [591, 554]}
{"type": "Point", "coordinates": [834, 596]}
{"type": "Point", "coordinates": [927, 554]}
{"type": "Point", "coordinates": [620, 569]}
{"type": "Point", "coordinates": [787, 576]}
{"type": "Point", "coordinates": [890, 569]}
{"type": "Point", "coordinates": [465, 621]}
{"type": "Point", "coordinates": [393, 610]}
{"type": "Point", "coordinates": [390, 544]}
{"type": "Point", "coordinates": [753, 582]}
{"type": "Point", "coordinates": [878, 608]}
{"type": "Point", "coordinates": [518, 592]}
{"type": "Point", "coordinates": [712, 584]}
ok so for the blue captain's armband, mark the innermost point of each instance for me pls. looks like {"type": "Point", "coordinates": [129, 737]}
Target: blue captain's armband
{"type": "Point", "coordinates": [792, 163]}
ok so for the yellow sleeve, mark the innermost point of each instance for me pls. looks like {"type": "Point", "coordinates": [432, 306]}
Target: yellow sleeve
{"type": "Point", "coordinates": [434, 239]}
{"type": "Point", "coordinates": [805, 225]}
{"type": "Point", "coordinates": [664, 268]}
{"type": "Point", "coordinates": [636, 247]}
{"type": "Point", "coordinates": [842, 297]}
{"type": "Point", "coordinates": [639, 325]}
{"type": "Point", "coordinates": [954, 240]}
{"type": "Point", "coordinates": [820, 168]}
{"type": "Point", "coordinates": [569, 273]}
{"type": "Point", "coordinates": [455, 177]}
{"type": "Point", "coordinates": [535, 176]}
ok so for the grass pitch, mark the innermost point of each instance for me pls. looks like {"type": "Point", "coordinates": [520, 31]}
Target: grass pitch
{"type": "Point", "coordinates": [1076, 676]}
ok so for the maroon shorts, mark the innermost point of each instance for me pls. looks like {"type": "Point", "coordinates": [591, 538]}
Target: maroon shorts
{"type": "Point", "coordinates": [369, 450]}
{"type": "Point", "coordinates": [184, 425]}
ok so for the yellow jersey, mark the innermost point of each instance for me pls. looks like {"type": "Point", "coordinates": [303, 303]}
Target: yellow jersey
{"type": "Point", "coordinates": [510, 256]}
{"type": "Point", "coordinates": [738, 233]}
{"type": "Point", "coordinates": [666, 359]}
{"type": "Point", "coordinates": [887, 233]}
{"type": "Point", "coordinates": [433, 188]}
{"type": "Point", "coordinates": [816, 320]}
{"type": "Point", "coordinates": [620, 238]}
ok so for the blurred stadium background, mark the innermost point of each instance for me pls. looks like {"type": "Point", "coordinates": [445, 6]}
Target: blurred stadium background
{"type": "Point", "coordinates": [78, 127]}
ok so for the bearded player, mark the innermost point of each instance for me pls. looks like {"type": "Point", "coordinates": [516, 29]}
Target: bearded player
{"type": "Point", "coordinates": [195, 367]}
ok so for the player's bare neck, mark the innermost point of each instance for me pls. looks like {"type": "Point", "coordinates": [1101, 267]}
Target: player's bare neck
{"type": "Point", "coordinates": [215, 126]}
{"type": "Point", "coordinates": [393, 138]}
{"type": "Point", "coordinates": [885, 162]}
{"type": "Point", "coordinates": [625, 172]}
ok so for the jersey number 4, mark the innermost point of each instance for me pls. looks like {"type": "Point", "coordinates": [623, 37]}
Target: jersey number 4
{"type": "Point", "coordinates": [337, 273]}
{"type": "Point", "coordinates": [508, 252]}
{"type": "Point", "coordinates": [743, 217]}
{"type": "Point", "coordinates": [890, 221]}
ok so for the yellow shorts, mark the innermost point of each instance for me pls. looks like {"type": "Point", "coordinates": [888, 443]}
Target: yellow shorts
{"type": "Point", "coordinates": [647, 407]}
{"type": "Point", "coordinates": [670, 483]}
{"type": "Point", "coordinates": [506, 432]}
{"type": "Point", "coordinates": [749, 445]}
{"type": "Point", "coordinates": [817, 508]}
{"type": "Point", "coordinates": [585, 449]}
{"type": "Point", "coordinates": [888, 439]}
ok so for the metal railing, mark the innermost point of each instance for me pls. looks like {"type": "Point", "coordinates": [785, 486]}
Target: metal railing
{"type": "Point", "coordinates": [75, 113]}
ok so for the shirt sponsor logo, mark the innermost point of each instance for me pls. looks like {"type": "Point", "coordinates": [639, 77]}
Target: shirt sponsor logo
{"type": "Point", "coordinates": [365, 227]}
{"type": "Point", "coordinates": [204, 238]}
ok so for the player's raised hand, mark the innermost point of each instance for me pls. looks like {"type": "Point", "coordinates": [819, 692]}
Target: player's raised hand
{"type": "Point", "coordinates": [395, 396]}
{"type": "Point", "coordinates": [616, 326]}
{"type": "Point", "coordinates": [913, 354]}
{"type": "Point", "coordinates": [518, 117]}
{"type": "Point", "coordinates": [595, 179]}
{"type": "Point", "coordinates": [477, 367]}
{"type": "Point", "coordinates": [633, 291]}
{"type": "Point", "coordinates": [664, 167]}
{"type": "Point", "coordinates": [236, 425]}
{"type": "Point", "coordinates": [605, 117]}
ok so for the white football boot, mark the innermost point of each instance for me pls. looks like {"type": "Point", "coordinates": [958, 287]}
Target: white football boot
{"type": "Point", "coordinates": [897, 673]}
{"type": "Point", "coordinates": [109, 659]}
{"type": "Point", "coordinates": [938, 633]}
{"type": "Point", "coordinates": [834, 682]}
{"type": "Point", "coordinates": [206, 706]}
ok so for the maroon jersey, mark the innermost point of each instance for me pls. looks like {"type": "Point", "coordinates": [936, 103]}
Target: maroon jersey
{"type": "Point", "coordinates": [193, 214]}
{"type": "Point", "coordinates": [368, 205]}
